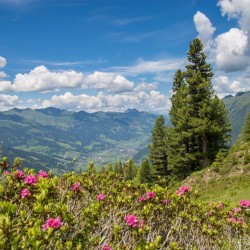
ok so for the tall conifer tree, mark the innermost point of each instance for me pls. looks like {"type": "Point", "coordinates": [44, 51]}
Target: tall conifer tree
{"type": "Point", "coordinates": [158, 153]}
{"type": "Point", "coordinates": [144, 172]}
{"type": "Point", "coordinates": [200, 120]}
{"type": "Point", "coordinates": [245, 132]}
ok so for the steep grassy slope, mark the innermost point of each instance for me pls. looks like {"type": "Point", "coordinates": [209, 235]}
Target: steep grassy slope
{"type": "Point", "coordinates": [227, 179]}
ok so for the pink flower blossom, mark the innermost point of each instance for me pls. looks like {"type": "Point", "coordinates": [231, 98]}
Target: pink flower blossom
{"type": "Point", "coordinates": [106, 247]}
{"type": "Point", "coordinates": [240, 221]}
{"type": "Point", "coordinates": [150, 195]}
{"type": "Point", "coordinates": [100, 197]}
{"type": "Point", "coordinates": [208, 213]}
{"type": "Point", "coordinates": [220, 205]}
{"type": "Point", "coordinates": [232, 219]}
{"type": "Point", "coordinates": [76, 186]}
{"type": "Point", "coordinates": [234, 211]}
{"type": "Point", "coordinates": [142, 198]}
{"type": "Point", "coordinates": [166, 202]}
{"type": "Point", "coordinates": [19, 174]}
{"type": "Point", "coordinates": [6, 172]}
{"type": "Point", "coordinates": [244, 203]}
{"type": "Point", "coordinates": [30, 179]}
{"type": "Point", "coordinates": [133, 221]}
{"type": "Point", "coordinates": [25, 192]}
{"type": "Point", "coordinates": [42, 174]}
{"type": "Point", "coordinates": [53, 223]}
{"type": "Point", "coordinates": [182, 190]}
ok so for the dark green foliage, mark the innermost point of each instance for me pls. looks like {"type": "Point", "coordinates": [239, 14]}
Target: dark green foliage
{"type": "Point", "coordinates": [245, 132]}
{"type": "Point", "coordinates": [129, 170]}
{"type": "Point", "coordinates": [246, 157]}
{"type": "Point", "coordinates": [118, 167]}
{"type": "Point", "coordinates": [158, 155]}
{"type": "Point", "coordinates": [144, 172]}
{"type": "Point", "coordinates": [200, 121]}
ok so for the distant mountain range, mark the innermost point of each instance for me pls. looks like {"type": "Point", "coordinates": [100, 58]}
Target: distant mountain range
{"type": "Point", "coordinates": [238, 107]}
{"type": "Point", "coordinates": [64, 140]}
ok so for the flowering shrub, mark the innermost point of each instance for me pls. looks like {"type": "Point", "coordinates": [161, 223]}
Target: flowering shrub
{"type": "Point", "coordinates": [39, 211]}
{"type": "Point", "coordinates": [42, 174]}
{"type": "Point", "coordinates": [244, 203]}
{"type": "Point", "coordinates": [25, 192]}
{"type": "Point", "coordinates": [183, 190]}
{"type": "Point", "coordinates": [133, 221]}
{"type": "Point", "coordinates": [106, 247]}
{"type": "Point", "coordinates": [150, 195]}
{"type": "Point", "coordinates": [19, 174]}
{"type": "Point", "coordinates": [30, 179]}
{"type": "Point", "coordinates": [76, 186]}
{"type": "Point", "coordinates": [100, 197]}
{"type": "Point", "coordinates": [53, 223]}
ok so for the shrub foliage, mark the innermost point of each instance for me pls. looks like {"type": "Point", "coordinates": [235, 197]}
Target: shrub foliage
{"type": "Point", "coordinates": [103, 211]}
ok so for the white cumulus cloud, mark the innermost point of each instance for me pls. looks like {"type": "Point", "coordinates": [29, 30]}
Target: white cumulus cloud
{"type": "Point", "coordinates": [231, 50]}
{"type": "Point", "coordinates": [8, 101]}
{"type": "Point", "coordinates": [224, 86]}
{"type": "Point", "coordinates": [108, 81]}
{"type": "Point", "coordinates": [239, 9]}
{"type": "Point", "coordinates": [153, 101]}
{"type": "Point", "coordinates": [41, 79]}
{"type": "Point", "coordinates": [204, 28]}
{"type": "Point", "coordinates": [3, 62]}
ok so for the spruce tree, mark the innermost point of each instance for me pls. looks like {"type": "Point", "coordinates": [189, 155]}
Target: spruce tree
{"type": "Point", "coordinates": [130, 170]}
{"type": "Point", "coordinates": [245, 132]}
{"type": "Point", "coordinates": [158, 155]}
{"type": "Point", "coordinates": [200, 120]}
{"type": "Point", "coordinates": [144, 172]}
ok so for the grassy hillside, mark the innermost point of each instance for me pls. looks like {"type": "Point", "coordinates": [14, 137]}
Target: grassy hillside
{"type": "Point", "coordinates": [227, 179]}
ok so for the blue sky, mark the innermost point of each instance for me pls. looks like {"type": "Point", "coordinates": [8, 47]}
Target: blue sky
{"type": "Point", "coordinates": [111, 55]}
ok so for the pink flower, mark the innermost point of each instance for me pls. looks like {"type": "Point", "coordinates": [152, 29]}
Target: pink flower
{"type": "Point", "coordinates": [142, 198]}
{"type": "Point", "coordinates": [220, 205]}
{"type": "Point", "coordinates": [19, 174]}
{"type": "Point", "coordinates": [25, 192]}
{"type": "Point", "coordinates": [166, 202]}
{"type": "Point", "coordinates": [53, 223]}
{"type": "Point", "coordinates": [240, 221]}
{"type": "Point", "coordinates": [244, 203]}
{"type": "Point", "coordinates": [30, 179]}
{"type": "Point", "coordinates": [133, 221]}
{"type": "Point", "coordinates": [42, 174]}
{"type": "Point", "coordinates": [232, 219]}
{"type": "Point", "coordinates": [106, 247]}
{"type": "Point", "coordinates": [140, 223]}
{"type": "Point", "coordinates": [100, 197]}
{"type": "Point", "coordinates": [150, 195]}
{"type": "Point", "coordinates": [208, 213]}
{"type": "Point", "coordinates": [182, 190]}
{"type": "Point", "coordinates": [6, 172]}
{"type": "Point", "coordinates": [76, 186]}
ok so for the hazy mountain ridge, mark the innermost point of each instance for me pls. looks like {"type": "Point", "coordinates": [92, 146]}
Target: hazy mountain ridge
{"type": "Point", "coordinates": [238, 107]}
{"type": "Point", "coordinates": [53, 137]}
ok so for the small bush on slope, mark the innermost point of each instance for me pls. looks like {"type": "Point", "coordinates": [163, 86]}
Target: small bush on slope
{"type": "Point", "coordinates": [102, 211]}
